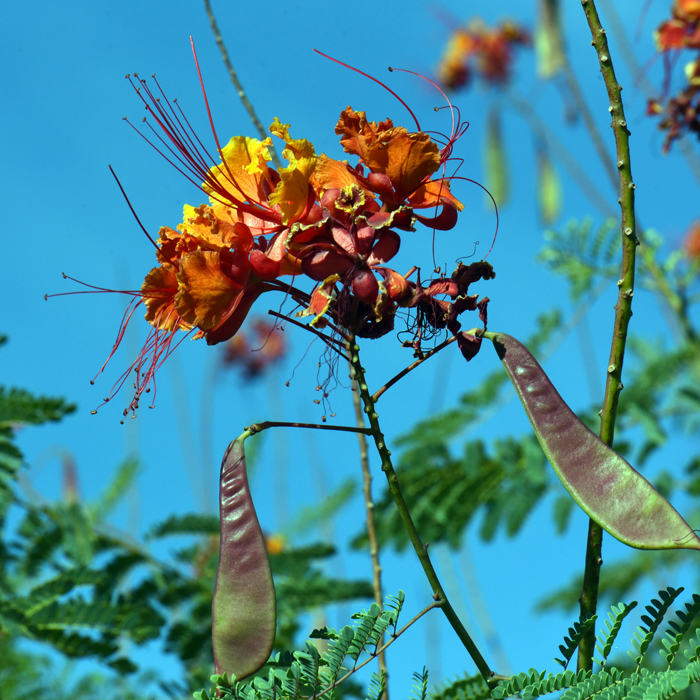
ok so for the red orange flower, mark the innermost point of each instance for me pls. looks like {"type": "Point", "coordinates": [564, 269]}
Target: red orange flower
{"type": "Point", "coordinates": [317, 217]}
{"type": "Point", "coordinates": [477, 48]}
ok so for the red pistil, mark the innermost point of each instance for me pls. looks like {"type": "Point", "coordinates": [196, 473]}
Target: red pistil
{"type": "Point", "coordinates": [379, 82]}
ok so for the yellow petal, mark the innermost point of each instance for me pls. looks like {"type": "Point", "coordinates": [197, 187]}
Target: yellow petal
{"type": "Point", "coordinates": [242, 172]}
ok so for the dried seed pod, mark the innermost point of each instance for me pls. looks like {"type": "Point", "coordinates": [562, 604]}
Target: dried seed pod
{"type": "Point", "coordinates": [244, 612]}
{"type": "Point", "coordinates": [604, 484]}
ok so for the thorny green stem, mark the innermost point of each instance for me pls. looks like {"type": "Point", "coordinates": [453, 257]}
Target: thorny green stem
{"type": "Point", "coordinates": [237, 83]}
{"type": "Point", "coordinates": [411, 367]}
{"type": "Point", "coordinates": [673, 299]}
{"type": "Point", "coordinates": [371, 526]}
{"type": "Point", "coordinates": [395, 490]}
{"type": "Point", "coordinates": [623, 313]}
{"type": "Point", "coordinates": [259, 427]}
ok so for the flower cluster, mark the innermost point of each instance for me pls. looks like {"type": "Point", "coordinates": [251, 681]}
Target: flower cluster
{"type": "Point", "coordinates": [319, 218]}
{"type": "Point", "coordinates": [477, 48]}
{"type": "Point", "coordinates": [679, 114]}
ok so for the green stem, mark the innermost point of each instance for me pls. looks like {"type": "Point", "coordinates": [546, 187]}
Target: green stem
{"type": "Point", "coordinates": [371, 525]}
{"type": "Point", "coordinates": [623, 312]}
{"type": "Point", "coordinates": [395, 490]}
{"type": "Point", "coordinates": [413, 365]}
{"type": "Point", "coordinates": [259, 427]}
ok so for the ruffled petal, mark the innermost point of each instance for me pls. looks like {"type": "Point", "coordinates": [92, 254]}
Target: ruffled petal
{"type": "Point", "coordinates": [206, 295]}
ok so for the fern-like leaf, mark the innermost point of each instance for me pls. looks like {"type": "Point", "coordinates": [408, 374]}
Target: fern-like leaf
{"type": "Point", "coordinates": [189, 524]}
{"type": "Point", "coordinates": [338, 651]}
{"type": "Point", "coordinates": [420, 685]}
{"type": "Point", "coordinates": [468, 688]}
{"type": "Point", "coordinates": [363, 630]}
{"type": "Point", "coordinates": [676, 632]}
{"type": "Point", "coordinates": [377, 686]}
{"type": "Point", "coordinates": [576, 634]}
{"type": "Point", "coordinates": [643, 636]}
{"type": "Point", "coordinates": [517, 683]}
{"type": "Point", "coordinates": [611, 627]}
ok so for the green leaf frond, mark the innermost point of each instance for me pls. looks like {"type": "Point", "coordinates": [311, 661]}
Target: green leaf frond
{"type": "Point", "coordinates": [445, 491]}
{"type": "Point", "coordinates": [610, 629]}
{"type": "Point", "coordinates": [676, 632]}
{"type": "Point", "coordinates": [643, 636]}
{"type": "Point", "coordinates": [467, 688]}
{"type": "Point", "coordinates": [188, 524]}
{"type": "Point", "coordinates": [19, 408]}
{"type": "Point", "coordinates": [419, 691]}
{"type": "Point", "coordinates": [377, 686]}
{"type": "Point", "coordinates": [308, 674]}
{"type": "Point", "coordinates": [576, 634]}
{"type": "Point", "coordinates": [581, 255]}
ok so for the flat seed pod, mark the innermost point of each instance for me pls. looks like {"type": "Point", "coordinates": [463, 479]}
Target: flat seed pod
{"type": "Point", "coordinates": [244, 613]}
{"type": "Point", "coordinates": [604, 484]}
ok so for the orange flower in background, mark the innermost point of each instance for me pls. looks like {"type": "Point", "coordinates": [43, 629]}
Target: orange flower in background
{"type": "Point", "coordinates": [680, 114]}
{"type": "Point", "coordinates": [692, 242]}
{"type": "Point", "coordinates": [256, 349]}
{"type": "Point", "coordinates": [688, 10]}
{"type": "Point", "coordinates": [476, 48]}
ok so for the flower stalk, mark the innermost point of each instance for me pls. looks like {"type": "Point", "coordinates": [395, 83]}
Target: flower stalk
{"type": "Point", "coordinates": [371, 524]}
{"type": "Point", "coordinates": [421, 550]}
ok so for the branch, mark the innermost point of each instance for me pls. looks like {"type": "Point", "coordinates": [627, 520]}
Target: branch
{"type": "Point", "coordinates": [420, 549]}
{"type": "Point", "coordinates": [623, 312]}
{"type": "Point", "coordinates": [369, 517]}
{"type": "Point", "coordinates": [325, 338]}
{"type": "Point", "coordinates": [259, 427]}
{"type": "Point", "coordinates": [411, 367]}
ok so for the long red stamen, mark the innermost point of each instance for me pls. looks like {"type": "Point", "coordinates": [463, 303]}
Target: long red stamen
{"type": "Point", "coordinates": [495, 206]}
{"type": "Point", "coordinates": [211, 120]}
{"type": "Point", "coordinates": [138, 221]}
{"type": "Point", "coordinates": [437, 87]}
{"type": "Point", "coordinates": [196, 163]}
{"type": "Point", "coordinates": [379, 82]}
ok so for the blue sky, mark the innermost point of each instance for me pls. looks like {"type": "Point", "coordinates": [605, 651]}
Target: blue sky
{"type": "Point", "coordinates": [62, 125]}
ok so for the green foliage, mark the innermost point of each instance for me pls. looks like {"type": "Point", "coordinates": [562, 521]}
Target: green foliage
{"type": "Point", "coordinates": [608, 633]}
{"type": "Point", "coordinates": [467, 688]}
{"type": "Point", "coordinates": [535, 683]}
{"type": "Point", "coordinates": [675, 632]}
{"type": "Point", "coordinates": [20, 408]}
{"type": "Point", "coordinates": [189, 524]}
{"type": "Point", "coordinates": [615, 683]}
{"type": "Point", "coordinates": [576, 634]}
{"type": "Point", "coordinates": [311, 674]}
{"type": "Point", "coordinates": [643, 636]}
{"type": "Point", "coordinates": [583, 257]}
{"type": "Point", "coordinates": [420, 685]}
{"type": "Point", "coordinates": [446, 492]}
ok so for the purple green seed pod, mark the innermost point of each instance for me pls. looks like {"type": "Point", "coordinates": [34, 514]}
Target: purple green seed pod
{"type": "Point", "coordinates": [604, 484]}
{"type": "Point", "coordinates": [244, 614]}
